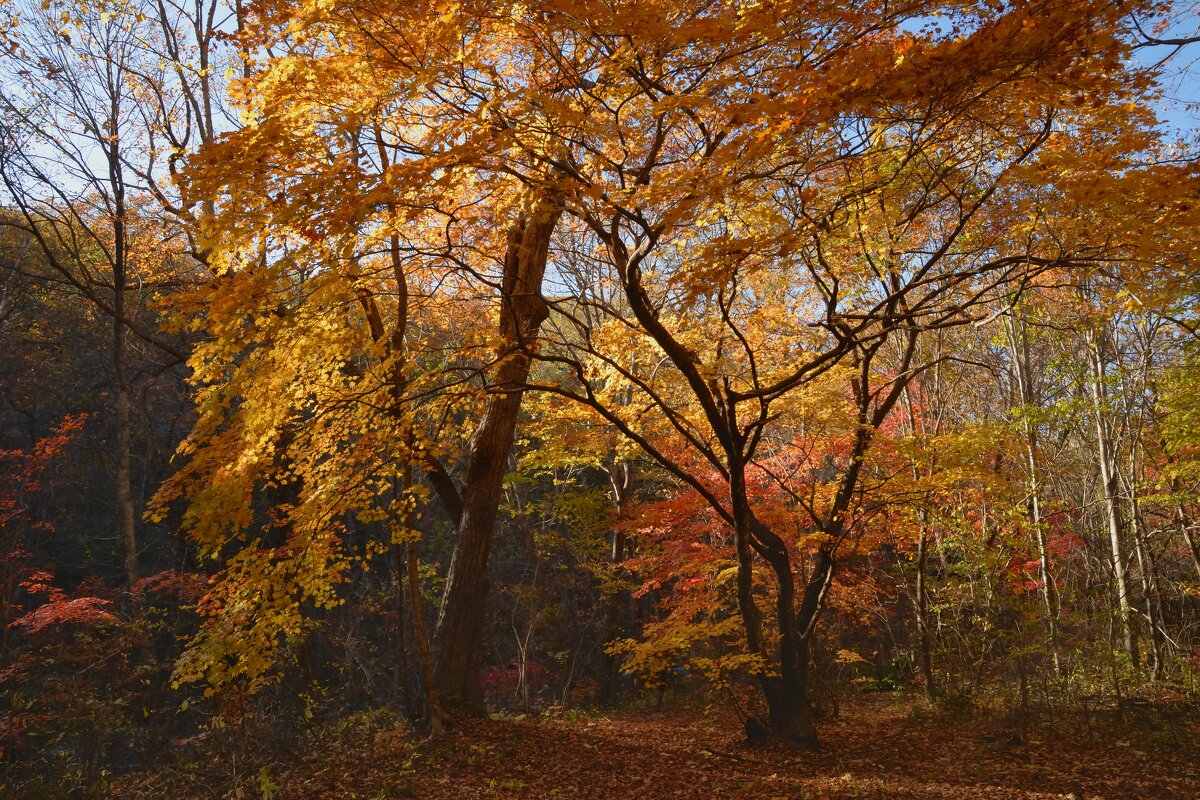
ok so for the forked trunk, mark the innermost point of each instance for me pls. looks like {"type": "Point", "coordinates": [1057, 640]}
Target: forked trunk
{"type": "Point", "coordinates": [786, 693]}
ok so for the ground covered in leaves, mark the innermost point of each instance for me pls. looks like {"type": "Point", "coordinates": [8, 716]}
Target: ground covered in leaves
{"type": "Point", "coordinates": [878, 747]}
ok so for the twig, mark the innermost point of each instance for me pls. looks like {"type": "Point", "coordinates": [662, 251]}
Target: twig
{"type": "Point", "coordinates": [734, 756]}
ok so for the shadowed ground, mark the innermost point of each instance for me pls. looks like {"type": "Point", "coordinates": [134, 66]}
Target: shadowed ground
{"type": "Point", "coordinates": [880, 747]}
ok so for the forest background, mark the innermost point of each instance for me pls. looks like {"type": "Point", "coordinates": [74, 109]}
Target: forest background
{"type": "Point", "coordinates": [435, 358]}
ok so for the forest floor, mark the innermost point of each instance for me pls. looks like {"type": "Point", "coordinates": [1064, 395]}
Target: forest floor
{"type": "Point", "coordinates": [878, 747]}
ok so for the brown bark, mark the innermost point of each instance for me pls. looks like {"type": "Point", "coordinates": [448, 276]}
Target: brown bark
{"type": "Point", "coordinates": [920, 591]}
{"type": "Point", "coordinates": [124, 472]}
{"type": "Point", "coordinates": [1185, 528]}
{"type": "Point", "coordinates": [922, 602]}
{"type": "Point", "coordinates": [459, 638]}
{"type": "Point", "coordinates": [402, 683]}
{"type": "Point", "coordinates": [434, 711]}
{"type": "Point", "coordinates": [124, 481]}
{"type": "Point", "coordinates": [786, 693]}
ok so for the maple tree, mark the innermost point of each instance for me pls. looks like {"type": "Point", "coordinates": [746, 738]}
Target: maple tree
{"type": "Point", "coordinates": [22, 478]}
{"type": "Point", "coordinates": [543, 353]}
{"type": "Point", "coordinates": [780, 195]}
{"type": "Point", "coordinates": [883, 225]}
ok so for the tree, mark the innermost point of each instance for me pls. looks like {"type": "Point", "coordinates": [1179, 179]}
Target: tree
{"type": "Point", "coordinates": [75, 143]}
{"type": "Point", "coordinates": [778, 196]}
{"type": "Point", "coordinates": [374, 282]}
{"type": "Point", "coordinates": [765, 235]}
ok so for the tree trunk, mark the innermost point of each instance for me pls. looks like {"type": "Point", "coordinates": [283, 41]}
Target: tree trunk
{"type": "Point", "coordinates": [1108, 479]}
{"type": "Point", "coordinates": [1149, 588]}
{"type": "Point", "coordinates": [1185, 529]}
{"type": "Point", "coordinates": [811, 605]}
{"type": "Point", "coordinates": [434, 712]}
{"type": "Point", "coordinates": [787, 694]}
{"type": "Point", "coordinates": [124, 476]}
{"type": "Point", "coordinates": [786, 691]}
{"type": "Point", "coordinates": [402, 679]}
{"type": "Point", "coordinates": [459, 638]}
{"type": "Point", "coordinates": [922, 611]}
{"type": "Point", "coordinates": [921, 599]}
{"type": "Point", "coordinates": [1018, 338]}
{"type": "Point", "coordinates": [620, 478]}
{"type": "Point", "coordinates": [124, 471]}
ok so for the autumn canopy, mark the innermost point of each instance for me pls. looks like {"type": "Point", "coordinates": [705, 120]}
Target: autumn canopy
{"type": "Point", "coordinates": [764, 330]}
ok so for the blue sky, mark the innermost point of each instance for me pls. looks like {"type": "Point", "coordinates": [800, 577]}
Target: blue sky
{"type": "Point", "coordinates": [1180, 105]}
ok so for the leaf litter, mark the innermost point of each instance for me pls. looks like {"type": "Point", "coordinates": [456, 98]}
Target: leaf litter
{"type": "Point", "coordinates": [879, 747]}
